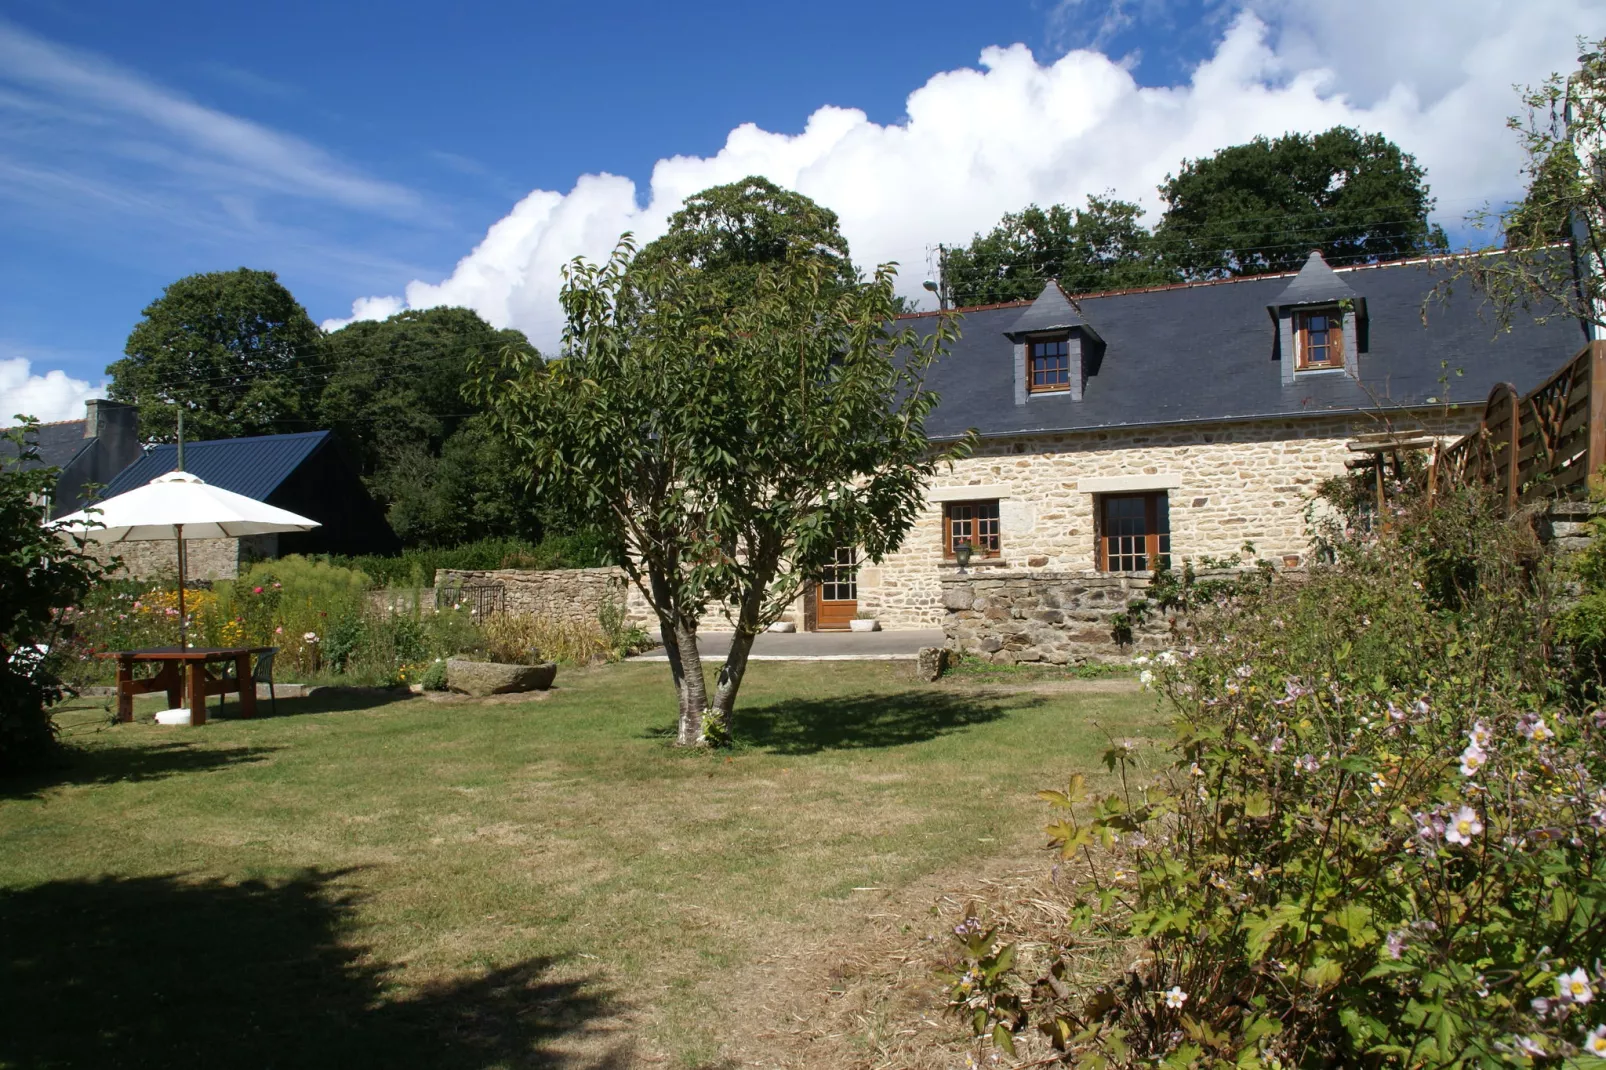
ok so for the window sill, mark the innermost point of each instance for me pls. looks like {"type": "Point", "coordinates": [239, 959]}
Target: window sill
{"type": "Point", "coordinates": [976, 562]}
{"type": "Point", "coordinates": [1320, 371]}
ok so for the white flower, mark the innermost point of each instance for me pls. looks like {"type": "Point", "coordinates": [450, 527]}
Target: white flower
{"type": "Point", "coordinates": [1141, 659]}
{"type": "Point", "coordinates": [1473, 759]}
{"type": "Point", "coordinates": [1307, 764]}
{"type": "Point", "coordinates": [1574, 987]}
{"type": "Point", "coordinates": [1244, 672]}
{"type": "Point", "coordinates": [1530, 1046]}
{"type": "Point", "coordinates": [1146, 678]}
{"type": "Point", "coordinates": [1378, 783]}
{"type": "Point", "coordinates": [1534, 728]}
{"type": "Point", "coordinates": [1167, 657]}
{"type": "Point", "coordinates": [1480, 735]}
{"type": "Point", "coordinates": [1595, 1042]}
{"type": "Point", "coordinates": [1276, 745]}
{"type": "Point", "coordinates": [310, 637]}
{"type": "Point", "coordinates": [1175, 997]}
{"type": "Point", "coordinates": [1194, 770]}
{"type": "Point", "coordinates": [1463, 826]}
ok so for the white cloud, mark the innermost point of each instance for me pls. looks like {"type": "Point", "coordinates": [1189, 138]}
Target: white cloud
{"type": "Point", "coordinates": [52, 396]}
{"type": "Point", "coordinates": [1433, 75]}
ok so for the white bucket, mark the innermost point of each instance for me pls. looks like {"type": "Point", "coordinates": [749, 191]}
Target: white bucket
{"type": "Point", "coordinates": [180, 716]}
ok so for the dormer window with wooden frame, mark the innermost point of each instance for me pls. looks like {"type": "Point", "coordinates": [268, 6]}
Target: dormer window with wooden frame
{"type": "Point", "coordinates": [1319, 334]}
{"type": "Point", "coordinates": [1048, 365]}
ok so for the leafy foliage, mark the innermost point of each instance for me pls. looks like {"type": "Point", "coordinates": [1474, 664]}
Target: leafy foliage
{"type": "Point", "coordinates": [394, 396]}
{"type": "Point", "coordinates": [726, 440]}
{"type": "Point", "coordinates": [1262, 207]}
{"type": "Point", "coordinates": [232, 349]}
{"type": "Point", "coordinates": [1377, 840]}
{"type": "Point", "coordinates": [416, 567]}
{"type": "Point", "coordinates": [1561, 136]}
{"type": "Point", "coordinates": [40, 573]}
{"type": "Point", "coordinates": [735, 231]}
{"type": "Point", "coordinates": [1104, 246]}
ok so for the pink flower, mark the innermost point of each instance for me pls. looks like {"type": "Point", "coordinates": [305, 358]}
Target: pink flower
{"type": "Point", "coordinates": [279, 630]}
{"type": "Point", "coordinates": [256, 590]}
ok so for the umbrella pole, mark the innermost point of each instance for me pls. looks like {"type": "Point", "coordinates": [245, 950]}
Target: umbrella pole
{"type": "Point", "coordinates": [179, 530]}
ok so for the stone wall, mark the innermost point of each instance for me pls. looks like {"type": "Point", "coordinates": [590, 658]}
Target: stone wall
{"type": "Point", "coordinates": [204, 559]}
{"type": "Point", "coordinates": [1226, 484]}
{"type": "Point", "coordinates": [576, 594]}
{"type": "Point", "coordinates": [1057, 617]}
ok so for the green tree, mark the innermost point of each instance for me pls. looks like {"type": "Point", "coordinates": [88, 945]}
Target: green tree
{"type": "Point", "coordinates": [1554, 263]}
{"type": "Point", "coordinates": [727, 445]}
{"type": "Point", "coordinates": [1104, 246]}
{"type": "Point", "coordinates": [232, 349]}
{"type": "Point", "coordinates": [1262, 207]}
{"type": "Point", "coordinates": [473, 490]}
{"type": "Point", "coordinates": [42, 573]}
{"type": "Point", "coordinates": [394, 397]}
{"type": "Point", "coordinates": [736, 230]}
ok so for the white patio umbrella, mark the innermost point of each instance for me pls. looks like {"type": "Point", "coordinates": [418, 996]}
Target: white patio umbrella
{"type": "Point", "coordinates": [179, 506]}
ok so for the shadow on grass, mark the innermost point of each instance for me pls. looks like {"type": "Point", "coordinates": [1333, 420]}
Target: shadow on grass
{"type": "Point", "coordinates": [873, 719]}
{"type": "Point", "coordinates": [177, 972]}
{"type": "Point", "coordinates": [108, 765]}
{"type": "Point", "coordinates": [337, 699]}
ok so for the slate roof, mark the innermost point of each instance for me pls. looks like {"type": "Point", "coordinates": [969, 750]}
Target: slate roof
{"type": "Point", "coordinates": [251, 466]}
{"type": "Point", "coordinates": [1051, 311]}
{"type": "Point", "coordinates": [1209, 352]}
{"type": "Point", "coordinates": [1315, 283]}
{"type": "Point", "coordinates": [58, 443]}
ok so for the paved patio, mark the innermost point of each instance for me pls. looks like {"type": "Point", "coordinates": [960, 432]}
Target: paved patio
{"type": "Point", "coordinates": [817, 646]}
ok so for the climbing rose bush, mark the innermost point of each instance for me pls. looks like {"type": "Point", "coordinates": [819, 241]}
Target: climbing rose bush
{"type": "Point", "coordinates": [1376, 840]}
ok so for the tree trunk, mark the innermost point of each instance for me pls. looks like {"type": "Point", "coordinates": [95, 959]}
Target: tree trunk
{"type": "Point", "coordinates": [690, 683]}
{"type": "Point", "coordinates": [735, 667]}
{"type": "Point", "coordinates": [730, 678]}
{"type": "Point", "coordinates": [685, 662]}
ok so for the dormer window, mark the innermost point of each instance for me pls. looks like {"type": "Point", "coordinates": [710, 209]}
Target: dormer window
{"type": "Point", "coordinates": [1049, 366]}
{"type": "Point", "coordinates": [1319, 336]}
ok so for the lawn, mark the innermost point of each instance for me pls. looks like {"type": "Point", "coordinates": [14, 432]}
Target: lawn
{"type": "Point", "coordinates": [371, 882]}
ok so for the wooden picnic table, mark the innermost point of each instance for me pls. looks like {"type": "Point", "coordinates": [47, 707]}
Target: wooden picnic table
{"type": "Point", "coordinates": [183, 671]}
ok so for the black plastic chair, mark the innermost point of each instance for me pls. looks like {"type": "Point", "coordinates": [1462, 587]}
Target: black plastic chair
{"type": "Point", "coordinates": [261, 673]}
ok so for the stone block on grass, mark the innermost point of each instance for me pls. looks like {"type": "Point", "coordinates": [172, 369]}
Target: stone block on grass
{"type": "Point", "coordinates": [483, 678]}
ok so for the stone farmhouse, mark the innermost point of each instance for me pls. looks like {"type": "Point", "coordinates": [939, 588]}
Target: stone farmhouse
{"type": "Point", "coordinates": [1117, 431]}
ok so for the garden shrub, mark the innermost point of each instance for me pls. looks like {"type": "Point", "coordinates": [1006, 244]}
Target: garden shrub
{"type": "Point", "coordinates": [42, 575]}
{"type": "Point", "coordinates": [416, 567]}
{"type": "Point", "coordinates": [1374, 842]}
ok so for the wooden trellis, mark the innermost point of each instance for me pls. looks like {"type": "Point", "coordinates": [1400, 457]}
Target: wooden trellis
{"type": "Point", "coordinates": [1549, 444]}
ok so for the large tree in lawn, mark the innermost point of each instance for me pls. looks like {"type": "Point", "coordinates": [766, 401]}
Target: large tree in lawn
{"type": "Point", "coordinates": [1262, 207]}
{"type": "Point", "coordinates": [232, 349]}
{"type": "Point", "coordinates": [727, 443]}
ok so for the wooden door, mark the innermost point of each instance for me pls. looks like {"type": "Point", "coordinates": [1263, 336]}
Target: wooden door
{"type": "Point", "coordinates": [836, 596]}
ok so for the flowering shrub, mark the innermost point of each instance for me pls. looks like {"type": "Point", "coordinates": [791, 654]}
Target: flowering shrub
{"type": "Point", "coordinates": [1376, 842]}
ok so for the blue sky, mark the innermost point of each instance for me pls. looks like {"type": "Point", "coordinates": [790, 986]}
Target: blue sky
{"type": "Point", "coordinates": [364, 150]}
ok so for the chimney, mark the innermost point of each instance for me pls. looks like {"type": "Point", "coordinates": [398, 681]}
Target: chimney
{"type": "Point", "coordinates": [116, 425]}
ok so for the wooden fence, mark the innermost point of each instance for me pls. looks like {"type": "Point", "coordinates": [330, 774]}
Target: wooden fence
{"type": "Point", "coordinates": [1549, 444]}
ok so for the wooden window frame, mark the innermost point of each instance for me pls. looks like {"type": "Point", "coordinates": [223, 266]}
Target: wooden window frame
{"type": "Point", "coordinates": [978, 551]}
{"type": "Point", "coordinates": [1156, 542]}
{"type": "Point", "coordinates": [1335, 339]}
{"type": "Point", "coordinates": [1031, 364]}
